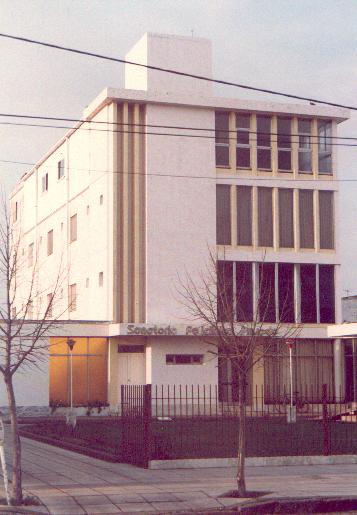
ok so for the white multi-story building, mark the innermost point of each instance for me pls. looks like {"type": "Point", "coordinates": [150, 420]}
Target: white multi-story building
{"type": "Point", "coordinates": [133, 197]}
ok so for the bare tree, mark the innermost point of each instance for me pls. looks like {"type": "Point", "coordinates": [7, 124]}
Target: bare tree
{"type": "Point", "coordinates": [245, 326]}
{"type": "Point", "coordinates": [25, 322]}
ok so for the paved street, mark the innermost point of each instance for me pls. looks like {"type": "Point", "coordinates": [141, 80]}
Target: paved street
{"type": "Point", "coordinates": [69, 483]}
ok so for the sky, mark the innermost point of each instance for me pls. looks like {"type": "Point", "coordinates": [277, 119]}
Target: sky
{"type": "Point", "coordinates": [305, 47]}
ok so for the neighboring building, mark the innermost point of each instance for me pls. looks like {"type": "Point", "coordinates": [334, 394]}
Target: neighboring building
{"type": "Point", "coordinates": [349, 308]}
{"type": "Point", "coordinates": [128, 211]}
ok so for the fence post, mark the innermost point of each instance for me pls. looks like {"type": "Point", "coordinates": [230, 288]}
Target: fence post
{"type": "Point", "coordinates": [325, 422]}
{"type": "Point", "coordinates": [147, 425]}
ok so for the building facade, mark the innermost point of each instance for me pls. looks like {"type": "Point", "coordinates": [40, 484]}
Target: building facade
{"type": "Point", "coordinates": [132, 198]}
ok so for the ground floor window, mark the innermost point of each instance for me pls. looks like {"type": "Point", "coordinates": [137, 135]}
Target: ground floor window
{"type": "Point", "coordinates": [90, 380]}
{"type": "Point", "coordinates": [312, 366]}
{"type": "Point", "coordinates": [228, 373]}
{"type": "Point", "coordinates": [351, 369]}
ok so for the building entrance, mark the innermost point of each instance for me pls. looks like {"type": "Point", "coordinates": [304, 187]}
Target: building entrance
{"type": "Point", "coordinates": [131, 366]}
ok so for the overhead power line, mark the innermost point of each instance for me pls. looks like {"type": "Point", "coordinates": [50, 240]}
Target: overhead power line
{"type": "Point", "coordinates": [173, 134]}
{"type": "Point", "coordinates": [150, 125]}
{"type": "Point", "coordinates": [216, 178]}
{"type": "Point", "coordinates": [177, 72]}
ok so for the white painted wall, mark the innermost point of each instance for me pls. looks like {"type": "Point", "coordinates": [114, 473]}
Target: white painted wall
{"type": "Point", "coordinates": [181, 374]}
{"type": "Point", "coordinates": [31, 387]}
{"type": "Point", "coordinates": [181, 53]}
{"type": "Point", "coordinates": [181, 212]}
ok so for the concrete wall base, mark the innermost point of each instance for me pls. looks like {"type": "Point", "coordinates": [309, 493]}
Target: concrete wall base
{"type": "Point", "coordinates": [254, 462]}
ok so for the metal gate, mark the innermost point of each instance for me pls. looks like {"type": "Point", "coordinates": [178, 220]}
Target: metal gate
{"type": "Point", "coordinates": [136, 422]}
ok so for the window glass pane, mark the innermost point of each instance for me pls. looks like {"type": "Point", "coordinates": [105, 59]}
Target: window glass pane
{"type": "Point", "coordinates": [263, 131]}
{"type": "Point", "coordinates": [308, 293]}
{"type": "Point", "coordinates": [327, 293]}
{"type": "Point", "coordinates": [222, 127]}
{"type": "Point", "coordinates": [223, 215]}
{"type": "Point", "coordinates": [306, 219]}
{"type": "Point", "coordinates": [286, 218]}
{"type": "Point", "coordinates": [325, 132]}
{"type": "Point", "coordinates": [243, 157]}
{"type": "Point", "coordinates": [222, 156]}
{"type": "Point", "coordinates": [286, 292]}
{"type": "Point", "coordinates": [244, 215]}
{"type": "Point", "coordinates": [244, 292]}
{"type": "Point", "coordinates": [326, 219]}
{"type": "Point", "coordinates": [243, 120]}
{"type": "Point", "coordinates": [264, 159]}
{"type": "Point", "coordinates": [265, 217]}
{"type": "Point", "coordinates": [305, 164]}
{"type": "Point", "coordinates": [224, 290]}
{"type": "Point", "coordinates": [284, 132]}
{"type": "Point", "coordinates": [266, 296]}
{"type": "Point", "coordinates": [284, 159]}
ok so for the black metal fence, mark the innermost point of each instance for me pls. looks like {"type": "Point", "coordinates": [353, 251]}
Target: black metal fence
{"type": "Point", "coordinates": [202, 421]}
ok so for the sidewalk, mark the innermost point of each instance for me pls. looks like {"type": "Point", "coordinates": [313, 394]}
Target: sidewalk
{"type": "Point", "coordinates": [69, 483]}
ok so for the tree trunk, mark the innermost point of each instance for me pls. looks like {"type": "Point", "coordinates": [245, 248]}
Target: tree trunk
{"type": "Point", "coordinates": [16, 497]}
{"type": "Point", "coordinates": [241, 441]}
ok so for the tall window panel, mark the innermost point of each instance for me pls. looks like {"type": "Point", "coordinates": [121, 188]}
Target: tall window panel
{"type": "Point", "coordinates": [266, 294]}
{"type": "Point", "coordinates": [224, 290]}
{"type": "Point", "coordinates": [286, 218]}
{"type": "Point", "coordinates": [264, 142]}
{"type": "Point", "coordinates": [243, 145]}
{"type": "Point", "coordinates": [284, 144]}
{"type": "Point", "coordinates": [305, 151]}
{"type": "Point", "coordinates": [222, 139]}
{"type": "Point", "coordinates": [223, 214]}
{"type": "Point", "coordinates": [327, 294]}
{"type": "Point", "coordinates": [244, 292]}
{"type": "Point", "coordinates": [308, 293]}
{"type": "Point", "coordinates": [326, 220]}
{"type": "Point", "coordinates": [325, 149]}
{"type": "Point", "coordinates": [286, 292]}
{"type": "Point", "coordinates": [306, 219]}
{"type": "Point", "coordinates": [244, 215]}
{"type": "Point", "coordinates": [265, 217]}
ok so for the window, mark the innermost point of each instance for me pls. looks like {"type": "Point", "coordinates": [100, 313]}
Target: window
{"type": "Point", "coordinates": [90, 365]}
{"type": "Point", "coordinates": [305, 161]}
{"type": "Point", "coordinates": [49, 305]}
{"type": "Point", "coordinates": [101, 198]}
{"type": "Point", "coordinates": [265, 217]}
{"type": "Point", "coordinates": [100, 279]}
{"type": "Point", "coordinates": [224, 290]}
{"type": "Point", "coordinates": [30, 309]}
{"type": "Point", "coordinates": [13, 312]}
{"type": "Point", "coordinates": [61, 226]}
{"type": "Point", "coordinates": [244, 291]}
{"type": "Point", "coordinates": [222, 139]}
{"type": "Point", "coordinates": [266, 296]}
{"type": "Point", "coordinates": [306, 219]}
{"type": "Point", "coordinates": [87, 210]}
{"type": "Point", "coordinates": [286, 292]}
{"type": "Point", "coordinates": [72, 298]}
{"type": "Point", "coordinates": [308, 293]}
{"type": "Point", "coordinates": [326, 219]}
{"type": "Point", "coordinates": [244, 215]}
{"type": "Point", "coordinates": [312, 362]}
{"type": "Point", "coordinates": [264, 142]}
{"type": "Point", "coordinates": [325, 157]}
{"type": "Point", "coordinates": [15, 211]}
{"type": "Point", "coordinates": [243, 145]}
{"type": "Point", "coordinates": [87, 282]}
{"type": "Point", "coordinates": [73, 228]}
{"type": "Point", "coordinates": [184, 359]}
{"type": "Point", "coordinates": [50, 243]}
{"type": "Point", "coordinates": [223, 214]}
{"type": "Point", "coordinates": [327, 294]}
{"type": "Point", "coordinates": [284, 144]}
{"type": "Point", "coordinates": [45, 182]}
{"type": "Point", "coordinates": [60, 169]}
{"type": "Point", "coordinates": [30, 255]}
{"type": "Point", "coordinates": [286, 218]}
